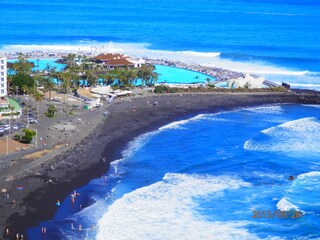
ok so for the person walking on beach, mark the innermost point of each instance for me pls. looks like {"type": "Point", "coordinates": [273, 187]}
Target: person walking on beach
{"type": "Point", "coordinates": [73, 197]}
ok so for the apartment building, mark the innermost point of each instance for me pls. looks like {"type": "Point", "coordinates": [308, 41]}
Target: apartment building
{"type": "Point", "coordinates": [3, 76]}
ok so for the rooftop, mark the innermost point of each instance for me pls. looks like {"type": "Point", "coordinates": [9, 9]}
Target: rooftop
{"type": "Point", "coordinates": [109, 56]}
{"type": "Point", "coordinates": [14, 104]}
{"type": "Point", "coordinates": [3, 100]}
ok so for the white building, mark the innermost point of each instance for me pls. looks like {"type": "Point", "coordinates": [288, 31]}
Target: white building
{"type": "Point", "coordinates": [246, 82]}
{"type": "Point", "coordinates": [3, 76]}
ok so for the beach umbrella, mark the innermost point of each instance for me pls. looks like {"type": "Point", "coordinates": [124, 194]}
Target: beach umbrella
{"type": "Point", "coordinates": [19, 188]}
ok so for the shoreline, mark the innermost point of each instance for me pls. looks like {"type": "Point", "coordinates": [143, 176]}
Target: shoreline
{"type": "Point", "coordinates": [129, 118]}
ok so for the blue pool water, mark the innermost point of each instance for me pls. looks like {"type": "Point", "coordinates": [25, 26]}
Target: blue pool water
{"type": "Point", "coordinates": [202, 178]}
{"type": "Point", "coordinates": [177, 75]}
{"type": "Point", "coordinates": [42, 64]}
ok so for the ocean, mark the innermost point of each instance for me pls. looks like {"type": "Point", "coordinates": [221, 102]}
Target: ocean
{"type": "Point", "coordinates": [278, 39]}
{"type": "Point", "coordinates": [211, 176]}
{"type": "Point", "coordinates": [207, 176]}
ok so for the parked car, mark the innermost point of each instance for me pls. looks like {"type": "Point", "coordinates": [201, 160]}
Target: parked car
{"type": "Point", "coordinates": [6, 127]}
{"type": "Point", "coordinates": [2, 129]}
{"type": "Point", "coordinates": [15, 127]}
{"type": "Point", "coordinates": [20, 125]}
{"type": "Point", "coordinates": [32, 120]}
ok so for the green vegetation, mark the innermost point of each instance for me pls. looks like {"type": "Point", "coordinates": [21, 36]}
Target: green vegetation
{"type": "Point", "coordinates": [22, 81]}
{"type": "Point", "coordinates": [51, 111]}
{"type": "Point", "coordinates": [17, 137]}
{"type": "Point", "coordinates": [28, 135]}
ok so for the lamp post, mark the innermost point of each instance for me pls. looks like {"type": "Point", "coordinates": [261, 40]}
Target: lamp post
{"type": "Point", "coordinates": [7, 145]}
{"type": "Point", "coordinates": [36, 138]}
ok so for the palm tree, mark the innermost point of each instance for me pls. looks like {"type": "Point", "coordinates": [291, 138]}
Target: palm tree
{"type": "Point", "coordinates": [66, 77]}
{"type": "Point", "coordinates": [70, 60]}
{"type": "Point", "coordinates": [11, 108]}
{"type": "Point", "coordinates": [22, 65]}
{"type": "Point", "coordinates": [208, 80]}
{"type": "Point", "coordinates": [38, 98]}
{"type": "Point", "coordinates": [147, 75]}
{"type": "Point", "coordinates": [91, 77]}
{"type": "Point", "coordinates": [109, 77]}
{"type": "Point", "coordinates": [48, 86]}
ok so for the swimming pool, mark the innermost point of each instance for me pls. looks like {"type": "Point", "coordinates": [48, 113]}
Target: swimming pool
{"type": "Point", "coordinates": [168, 74]}
{"type": "Point", "coordinates": [43, 63]}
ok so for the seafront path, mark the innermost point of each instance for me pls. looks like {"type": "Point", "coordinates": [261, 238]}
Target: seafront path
{"type": "Point", "coordinates": [54, 135]}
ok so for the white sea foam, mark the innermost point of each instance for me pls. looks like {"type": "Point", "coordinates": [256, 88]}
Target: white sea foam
{"type": "Point", "coordinates": [302, 194]}
{"type": "Point", "coordinates": [201, 54]}
{"type": "Point", "coordinates": [300, 135]}
{"type": "Point", "coordinates": [311, 105]}
{"type": "Point", "coordinates": [164, 210]}
{"type": "Point", "coordinates": [210, 59]}
{"type": "Point", "coordinates": [268, 175]}
{"type": "Point", "coordinates": [306, 85]}
{"type": "Point", "coordinates": [285, 205]}
{"type": "Point", "coordinates": [266, 109]}
{"type": "Point", "coordinates": [301, 125]}
{"type": "Point", "coordinates": [309, 174]}
{"type": "Point", "coordinates": [178, 124]}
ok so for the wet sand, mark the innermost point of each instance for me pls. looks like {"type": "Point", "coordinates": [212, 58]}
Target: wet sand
{"type": "Point", "coordinates": [56, 178]}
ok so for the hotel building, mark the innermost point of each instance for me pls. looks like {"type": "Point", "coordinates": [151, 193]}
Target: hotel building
{"type": "Point", "coordinates": [3, 76]}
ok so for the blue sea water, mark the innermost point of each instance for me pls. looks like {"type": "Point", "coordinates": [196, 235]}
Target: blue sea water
{"type": "Point", "coordinates": [199, 178]}
{"type": "Point", "coordinates": [280, 34]}
{"type": "Point", "coordinates": [203, 178]}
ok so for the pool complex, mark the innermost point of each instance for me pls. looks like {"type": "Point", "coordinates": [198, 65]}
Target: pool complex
{"type": "Point", "coordinates": [166, 74]}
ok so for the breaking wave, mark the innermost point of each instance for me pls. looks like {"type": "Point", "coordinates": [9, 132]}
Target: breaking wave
{"type": "Point", "coordinates": [294, 136]}
{"type": "Point", "coordinates": [164, 210]}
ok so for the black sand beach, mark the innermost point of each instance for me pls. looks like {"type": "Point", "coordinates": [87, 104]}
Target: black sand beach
{"type": "Point", "coordinates": [128, 118]}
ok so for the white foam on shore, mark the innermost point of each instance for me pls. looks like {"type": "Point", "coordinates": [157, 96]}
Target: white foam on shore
{"type": "Point", "coordinates": [210, 59]}
{"type": "Point", "coordinates": [311, 105]}
{"type": "Point", "coordinates": [164, 210]}
{"type": "Point", "coordinates": [266, 109]}
{"type": "Point", "coordinates": [178, 124]}
{"type": "Point", "coordinates": [300, 135]}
